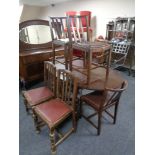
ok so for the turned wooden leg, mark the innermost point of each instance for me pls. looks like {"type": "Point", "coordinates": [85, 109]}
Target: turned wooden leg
{"type": "Point", "coordinates": [36, 122]}
{"type": "Point", "coordinates": [26, 106]}
{"type": "Point", "coordinates": [52, 139]}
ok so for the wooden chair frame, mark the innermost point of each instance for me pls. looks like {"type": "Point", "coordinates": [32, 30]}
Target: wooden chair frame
{"type": "Point", "coordinates": [82, 42]}
{"type": "Point", "coordinates": [66, 93]}
{"type": "Point", "coordinates": [60, 37]}
{"type": "Point", "coordinates": [105, 103]}
{"type": "Point", "coordinates": [49, 81]}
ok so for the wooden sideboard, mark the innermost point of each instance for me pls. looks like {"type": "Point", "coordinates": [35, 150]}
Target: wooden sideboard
{"type": "Point", "coordinates": [31, 64]}
{"type": "Point", "coordinates": [32, 55]}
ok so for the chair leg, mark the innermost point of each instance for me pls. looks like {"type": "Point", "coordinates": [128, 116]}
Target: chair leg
{"type": "Point", "coordinates": [99, 123]}
{"type": "Point", "coordinates": [52, 139]}
{"type": "Point", "coordinates": [35, 118]}
{"type": "Point", "coordinates": [74, 122]}
{"type": "Point", "coordinates": [115, 113]}
{"type": "Point", "coordinates": [53, 47]}
{"type": "Point", "coordinates": [70, 56]}
{"type": "Point", "coordinates": [66, 56]}
{"type": "Point", "coordinates": [80, 108]}
{"type": "Point", "coordinates": [26, 106]}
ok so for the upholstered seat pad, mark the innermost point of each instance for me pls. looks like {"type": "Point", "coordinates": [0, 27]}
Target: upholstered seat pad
{"type": "Point", "coordinates": [94, 99]}
{"type": "Point", "coordinates": [38, 95]}
{"type": "Point", "coordinates": [53, 111]}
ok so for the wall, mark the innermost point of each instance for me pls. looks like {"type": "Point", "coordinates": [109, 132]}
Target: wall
{"type": "Point", "coordinates": [30, 12]}
{"type": "Point", "coordinates": [102, 11]}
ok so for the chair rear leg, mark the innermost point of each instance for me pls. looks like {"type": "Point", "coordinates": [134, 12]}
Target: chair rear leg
{"type": "Point", "coordinates": [66, 56]}
{"type": "Point", "coordinates": [115, 113]}
{"type": "Point", "coordinates": [99, 123]}
{"type": "Point", "coordinates": [26, 106]}
{"type": "Point", "coordinates": [35, 118]}
{"type": "Point", "coordinates": [52, 139]}
{"type": "Point", "coordinates": [74, 122]}
{"type": "Point", "coordinates": [80, 108]}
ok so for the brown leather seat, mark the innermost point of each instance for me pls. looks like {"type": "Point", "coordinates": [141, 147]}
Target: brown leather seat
{"type": "Point", "coordinates": [52, 111]}
{"type": "Point", "coordinates": [36, 96]}
{"type": "Point", "coordinates": [102, 101]}
{"type": "Point", "coordinates": [95, 99]}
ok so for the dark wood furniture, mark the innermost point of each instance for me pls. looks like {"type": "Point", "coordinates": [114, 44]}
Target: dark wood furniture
{"type": "Point", "coordinates": [56, 111]}
{"type": "Point", "coordinates": [82, 43]}
{"type": "Point", "coordinates": [91, 75]}
{"type": "Point", "coordinates": [99, 79]}
{"type": "Point", "coordinates": [59, 35]}
{"type": "Point", "coordinates": [102, 101]}
{"type": "Point", "coordinates": [33, 53]}
{"type": "Point", "coordinates": [39, 95]}
{"type": "Point", "coordinates": [121, 28]}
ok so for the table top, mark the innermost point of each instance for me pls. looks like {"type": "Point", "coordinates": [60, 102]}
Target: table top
{"type": "Point", "coordinates": [97, 79]}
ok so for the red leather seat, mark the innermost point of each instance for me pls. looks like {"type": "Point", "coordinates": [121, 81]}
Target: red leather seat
{"type": "Point", "coordinates": [53, 111]}
{"type": "Point", "coordinates": [38, 95]}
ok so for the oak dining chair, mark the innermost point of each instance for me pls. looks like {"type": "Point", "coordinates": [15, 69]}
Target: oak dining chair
{"type": "Point", "coordinates": [38, 95]}
{"type": "Point", "coordinates": [56, 111]}
{"type": "Point", "coordinates": [101, 102]}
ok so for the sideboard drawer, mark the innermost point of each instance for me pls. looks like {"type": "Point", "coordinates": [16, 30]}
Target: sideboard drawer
{"type": "Point", "coordinates": [36, 58]}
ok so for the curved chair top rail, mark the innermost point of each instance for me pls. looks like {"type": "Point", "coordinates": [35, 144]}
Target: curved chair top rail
{"type": "Point", "coordinates": [24, 46]}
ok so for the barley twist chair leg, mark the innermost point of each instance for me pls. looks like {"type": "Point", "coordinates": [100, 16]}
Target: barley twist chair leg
{"type": "Point", "coordinates": [26, 106]}
{"type": "Point", "coordinates": [52, 139]}
{"type": "Point", "coordinates": [36, 123]}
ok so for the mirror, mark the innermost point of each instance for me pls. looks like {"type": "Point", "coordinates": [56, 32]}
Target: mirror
{"type": "Point", "coordinates": [35, 34]}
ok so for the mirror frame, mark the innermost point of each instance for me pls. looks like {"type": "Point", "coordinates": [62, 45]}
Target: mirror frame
{"type": "Point", "coordinates": [23, 46]}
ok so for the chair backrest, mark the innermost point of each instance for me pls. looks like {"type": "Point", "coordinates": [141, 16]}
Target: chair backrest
{"type": "Point", "coordinates": [120, 48]}
{"type": "Point", "coordinates": [85, 13]}
{"type": "Point", "coordinates": [67, 87]}
{"type": "Point", "coordinates": [70, 13]}
{"type": "Point", "coordinates": [50, 76]}
{"type": "Point", "coordinates": [57, 27]}
{"type": "Point", "coordinates": [113, 95]}
{"type": "Point", "coordinates": [77, 30]}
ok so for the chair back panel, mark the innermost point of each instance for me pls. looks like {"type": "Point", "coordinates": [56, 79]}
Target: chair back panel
{"type": "Point", "coordinates": [85, 13]}
{"type": "Point", "coordinates": [66, 87]}
{"type": "Point", "coordinates": [57, 27]}
{"type": "Point", "coordinates": [50, 76]}
{"type": "Point", "coordinates": [114, 94]}
{"type": "Point", "coordinates": [77, 29]}
{"type": "Point", "coordinates": [71, 13]}
{"type": "Point", "coordinates": [121, 48]}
